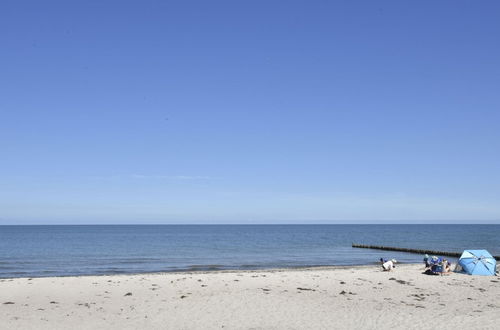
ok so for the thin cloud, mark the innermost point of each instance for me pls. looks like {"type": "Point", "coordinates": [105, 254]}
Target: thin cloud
{"type": "Point", "coordinates": [152, 177]}
{"type": "Point", "coordinates": [170, 177]}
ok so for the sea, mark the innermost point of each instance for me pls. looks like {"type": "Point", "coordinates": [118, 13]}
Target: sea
{"type": "Point", "coordinates": [67, 250]}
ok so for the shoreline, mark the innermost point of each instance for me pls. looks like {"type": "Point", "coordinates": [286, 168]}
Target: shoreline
{"type": "Point", "coordinates": [278, 269]}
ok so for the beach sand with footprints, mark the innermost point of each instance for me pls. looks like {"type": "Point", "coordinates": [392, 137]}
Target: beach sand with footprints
{"type": "Point", "coordinates": [361, 297]}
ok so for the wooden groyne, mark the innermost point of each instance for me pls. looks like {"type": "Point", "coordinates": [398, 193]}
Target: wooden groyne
{"type": "Point", "coordinates": [417, 251]}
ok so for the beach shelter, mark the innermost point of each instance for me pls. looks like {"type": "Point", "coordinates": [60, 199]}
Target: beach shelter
{"type": "Point", "coordinates": [477, 262]}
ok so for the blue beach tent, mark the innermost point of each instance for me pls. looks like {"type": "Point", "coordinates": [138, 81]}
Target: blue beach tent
{"type": "Point", "coordinates": [478, 262]}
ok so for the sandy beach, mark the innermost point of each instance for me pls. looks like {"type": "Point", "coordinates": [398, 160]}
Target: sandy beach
{"type": "Point", "coordinates": [320, 298]}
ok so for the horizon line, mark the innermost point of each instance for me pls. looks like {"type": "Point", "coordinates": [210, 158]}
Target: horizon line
{"type": "Point", "coordinates": [257, 224]}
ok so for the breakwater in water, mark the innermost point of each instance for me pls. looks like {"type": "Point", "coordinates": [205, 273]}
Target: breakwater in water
{"type": "Point", "coordinates": [419, 251]}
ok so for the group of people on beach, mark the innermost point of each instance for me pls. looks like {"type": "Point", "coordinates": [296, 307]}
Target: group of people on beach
{"type": "Point", "coordinates": [436, 265]}
{"type": "Point", "coordinates": [433, 265]}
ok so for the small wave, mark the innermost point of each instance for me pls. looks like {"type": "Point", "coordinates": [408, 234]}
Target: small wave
{"type": "Point", "coordinates": [131, 262]}
{"type": "Point", "coordinates": [13, 274]}
{"type": "Point", "coordinates": [249, 266]}
{"type": "Point", "coordinates": [17, 262]}
{"type": "Point", "coordinates": [204, 267]}
{"type": "Point", "coordinates": [111, 271]}
{"type": "Point", "coordinates": [123, 261]}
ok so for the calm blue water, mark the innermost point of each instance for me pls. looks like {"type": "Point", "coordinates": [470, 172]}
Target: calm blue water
{"type": "Point", "coordinates": [28, 251]}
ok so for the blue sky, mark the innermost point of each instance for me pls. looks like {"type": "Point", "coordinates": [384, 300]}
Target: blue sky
{"type": "Point", "coordinates": [249, 111]}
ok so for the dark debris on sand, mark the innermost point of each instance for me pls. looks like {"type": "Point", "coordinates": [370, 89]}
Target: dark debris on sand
{"type": "Point", "coordinates": [305, 289]}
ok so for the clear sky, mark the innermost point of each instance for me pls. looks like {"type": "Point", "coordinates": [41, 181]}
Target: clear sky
{"type": "Point", "coordinates": [249, 111]}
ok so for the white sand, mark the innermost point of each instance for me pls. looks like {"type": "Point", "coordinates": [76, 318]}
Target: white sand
{"type": "Point", "coordinates": [278, 299]}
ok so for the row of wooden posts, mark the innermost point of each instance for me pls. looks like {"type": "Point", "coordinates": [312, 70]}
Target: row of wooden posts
{"type": "Point", "coordinates": [418, 251]}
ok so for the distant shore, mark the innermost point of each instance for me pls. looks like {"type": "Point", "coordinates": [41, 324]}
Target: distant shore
{"type": "Point", "coordinates": [361, 297]}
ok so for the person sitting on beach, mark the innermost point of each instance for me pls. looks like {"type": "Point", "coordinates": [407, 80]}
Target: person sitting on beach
{"type": "Point", "coordinates": [434, 269]}
{"type": "Point", "coordinates": [426, 261]}
{"type": "Point", "coordinates": [446, 267]}
{"type": "Point", "coordinates": [389, 265]}
{"type": "Point", "coordinates": [431, 263]}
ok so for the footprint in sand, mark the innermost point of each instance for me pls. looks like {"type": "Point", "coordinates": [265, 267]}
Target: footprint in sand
{"type": "Point", "coordinates": [345, 292]}
{"type": "Point", "coordinates": [305, 289]}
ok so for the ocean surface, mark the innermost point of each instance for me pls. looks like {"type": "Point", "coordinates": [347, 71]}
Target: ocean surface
{"type": "Point", "coordinates": [32, 251]}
